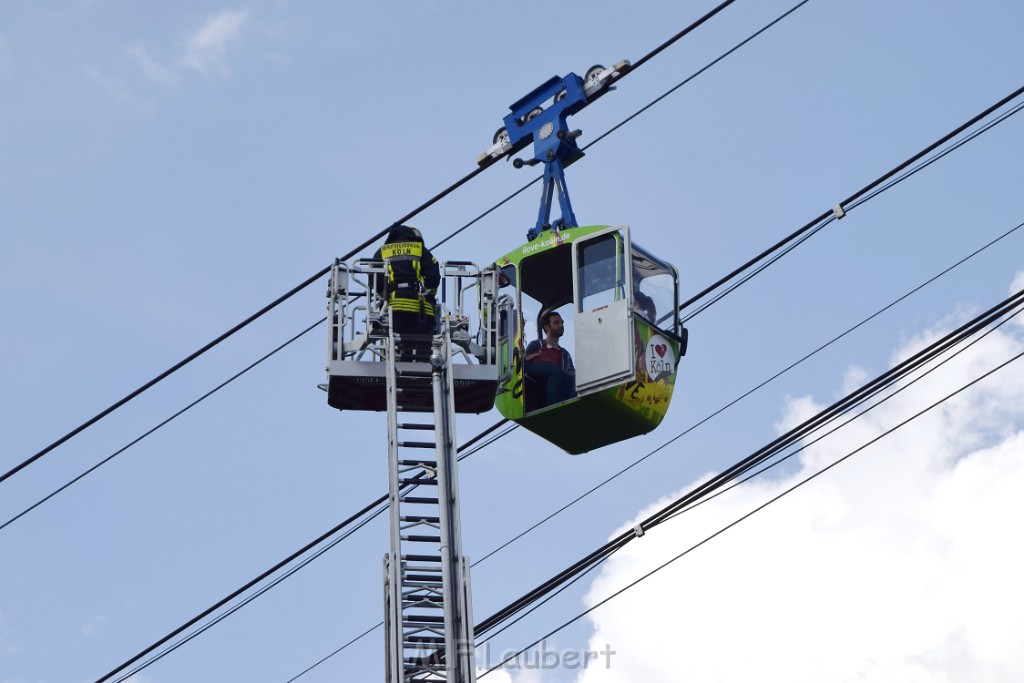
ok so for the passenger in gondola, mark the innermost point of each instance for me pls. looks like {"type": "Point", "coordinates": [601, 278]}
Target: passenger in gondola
{"type": "Point", "coordinates": [642, 304]}
{"type": "Point", "coordinates": [412, 276]}
{"type": "Point", "coordinates": [550, 364]}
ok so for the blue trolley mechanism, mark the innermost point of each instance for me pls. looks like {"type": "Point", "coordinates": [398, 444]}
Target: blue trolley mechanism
{"type": "Point", "coordinates": [620, 301]}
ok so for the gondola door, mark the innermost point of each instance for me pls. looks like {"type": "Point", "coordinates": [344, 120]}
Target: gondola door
{"type": "Point", "coordinates": [604, 336]}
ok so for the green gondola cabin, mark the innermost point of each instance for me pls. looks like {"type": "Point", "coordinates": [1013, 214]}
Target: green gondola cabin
{"type": "Point", "coordinates": [610, 292]}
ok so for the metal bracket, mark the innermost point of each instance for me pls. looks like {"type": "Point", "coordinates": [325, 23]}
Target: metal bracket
{"type": "Point", "coordinates": [540, 118]}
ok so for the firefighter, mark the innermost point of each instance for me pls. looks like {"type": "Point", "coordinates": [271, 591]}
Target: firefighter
{"type": "Point", "coordinates": [412, 277]}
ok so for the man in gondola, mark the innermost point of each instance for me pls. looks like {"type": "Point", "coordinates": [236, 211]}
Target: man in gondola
{"type": "Point", "coordinates": [411, 279]}
{"type": "Point", "coordinates": [549, 363]}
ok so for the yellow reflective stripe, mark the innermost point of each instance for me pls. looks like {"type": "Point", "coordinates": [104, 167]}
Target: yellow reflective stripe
{"type": "Point", "coordinates": [401, 249]}
{"type": "Point", "coordinates": [411, 306]}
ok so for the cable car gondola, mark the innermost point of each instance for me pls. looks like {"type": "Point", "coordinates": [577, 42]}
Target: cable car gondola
{"type": "Point", "coordinates": [610, 292]}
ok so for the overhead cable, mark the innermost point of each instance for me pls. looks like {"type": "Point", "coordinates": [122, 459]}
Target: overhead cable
{"type": "Point", "coordinates": [240, 591]}
{"type": "Point", "coordinates": [804, 445]}
{"type": "Point", "coordinates": [907, 173]}
{"type": "Point", "coordinates": [757, 509]}
{"type": "Point", "coordinates": [352, 519]}
{"type": "Point", "coordinates": [234, 608]}
{"type": "Point", "coordinates": [139, 438]}
{"type": "Point", "coordinates": [761, 455]}
{"type": "Point", "coordinates": [835, 214]}
{"type": "Point", "coordinates": [674, 39]}
{"type": "Point", "coordinates": [861, 195]}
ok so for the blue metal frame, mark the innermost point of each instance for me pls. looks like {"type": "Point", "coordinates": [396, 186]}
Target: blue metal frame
{"type": "Point", "coordinates": [554, 145]}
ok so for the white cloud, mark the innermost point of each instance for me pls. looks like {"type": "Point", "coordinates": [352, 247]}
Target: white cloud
{"type": "Point", "coordinates": [901, 564]}
{"type": "Point", "coordinates": [854, 379]}
{"type": "Point", "coordinates": [504, 676]}
{"type": "Point", "coordinates": [154, 71]}
{"type": "Point", "coordinates": [205, 49]}
{"type": "Point", "coordinates": [1018, 283]}
{"type": "Point", "coordinates": [797, 411]}
{"type": "Point", "coordinates": [116, 90]}
{"type": "Point", "coordinates": [1016, 286]}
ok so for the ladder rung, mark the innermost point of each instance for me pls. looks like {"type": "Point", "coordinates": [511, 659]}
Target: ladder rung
{"type": "Point", "coordinates": [417, 444]}
{"type": "Point", "coordinates": [413, 641]}
{"type": "Point", "coordinates": [421, 518]}
{"type": "Point", "coordinates": [422, 558]}
{"type": "Point", "coordinates": [423, 618]}
{"type": "Point", "coordinates": [421, 538]}
{"type": "Point", "coordinates": [432, 579]}
{"type": "Point", "coordinates": [421, 482]}
{"type": "Point", "coordinates": [418, 500]}
{"type": "Point", "coordinates": [410, 408]}
{"type": "Point", "coordinates": [426, 426]}
{"type": "Point", "coordinates": [434, 570]}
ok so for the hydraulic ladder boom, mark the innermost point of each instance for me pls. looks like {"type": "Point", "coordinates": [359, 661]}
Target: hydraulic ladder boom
{"type": "Point", "coordinates": [428, 615]}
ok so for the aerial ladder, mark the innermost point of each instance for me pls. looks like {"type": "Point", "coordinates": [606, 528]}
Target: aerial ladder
{"type": "Point", "coordinates": [428, 617]}
{"type": "Point", "coordinates": [427, 609]}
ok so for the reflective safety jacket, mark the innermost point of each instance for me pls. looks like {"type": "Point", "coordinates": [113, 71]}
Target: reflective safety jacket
{"type": "Point", "coordinates": [412, 272]}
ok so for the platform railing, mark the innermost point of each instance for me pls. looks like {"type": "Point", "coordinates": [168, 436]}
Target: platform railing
{"type": "Point", "coordinates": [357, 316]}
